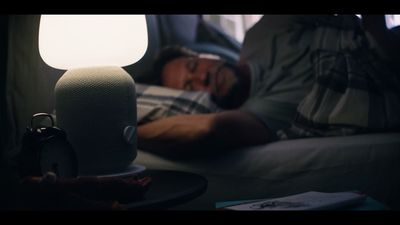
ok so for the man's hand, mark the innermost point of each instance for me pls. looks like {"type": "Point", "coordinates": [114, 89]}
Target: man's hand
{"type": "Point", "coordinates": [374, 23]}
{"type": "Point", "coordinates": [388, 45]}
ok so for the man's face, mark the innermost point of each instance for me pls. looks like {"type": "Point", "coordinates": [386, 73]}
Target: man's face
{"type": "Point", "coordinates": [199, 74]}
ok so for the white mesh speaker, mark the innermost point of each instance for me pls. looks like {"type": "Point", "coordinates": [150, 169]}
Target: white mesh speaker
{"type": "Point", "coordinates": [97, 109]}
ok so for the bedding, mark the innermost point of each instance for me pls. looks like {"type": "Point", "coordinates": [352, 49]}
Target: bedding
{"type": "Point", "coordinates": [367, 163]}
{"type": "Point", "coordinates": [155, 102]}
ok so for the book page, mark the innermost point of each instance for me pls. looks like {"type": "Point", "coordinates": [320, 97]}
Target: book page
{"type": "Point", "coordinates": [305, 201]}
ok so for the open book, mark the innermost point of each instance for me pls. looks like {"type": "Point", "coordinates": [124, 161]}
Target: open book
{"type": "Point", "coordinates": [306, 201]}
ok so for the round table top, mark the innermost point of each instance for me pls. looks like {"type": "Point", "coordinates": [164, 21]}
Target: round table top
{"type": "Point", "coordinates": [169, 188]}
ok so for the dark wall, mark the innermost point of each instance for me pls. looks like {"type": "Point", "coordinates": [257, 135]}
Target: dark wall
{"type": "Point", "coordinates": [8, 176]}
{"type": "Point", "coordinates": [3, 72]}
{"type": "Point", "coordinates": [26, 85]}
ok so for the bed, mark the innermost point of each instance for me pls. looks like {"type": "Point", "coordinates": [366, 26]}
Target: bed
{"type": "Point", "coordinates": [366, 163]}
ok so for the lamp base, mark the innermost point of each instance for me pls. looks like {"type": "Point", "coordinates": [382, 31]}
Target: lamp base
{"type": "Point", "coordinates": [97, 109]}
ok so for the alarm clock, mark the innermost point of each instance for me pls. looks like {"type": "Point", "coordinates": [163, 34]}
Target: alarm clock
{"type": "Point", "coordinates": [46, 149]}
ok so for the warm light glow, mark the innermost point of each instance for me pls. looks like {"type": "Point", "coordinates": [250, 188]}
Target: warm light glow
{"type": "Point", "coordinates": [73, 41]}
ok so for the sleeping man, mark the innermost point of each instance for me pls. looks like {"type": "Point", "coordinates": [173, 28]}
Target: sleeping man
{"type": "Point", "coordinates": [260, 94]}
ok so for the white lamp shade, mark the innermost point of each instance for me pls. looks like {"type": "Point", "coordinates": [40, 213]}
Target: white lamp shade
{"type": "Point", "coordinates": [75, 41]}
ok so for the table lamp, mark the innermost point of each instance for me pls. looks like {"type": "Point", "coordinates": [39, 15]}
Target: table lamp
{"type": "Point", "coordinates": [95, 99]}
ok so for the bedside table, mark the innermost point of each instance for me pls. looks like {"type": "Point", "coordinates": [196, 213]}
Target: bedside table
{"type": "Point", "coordinates": [170, 188]}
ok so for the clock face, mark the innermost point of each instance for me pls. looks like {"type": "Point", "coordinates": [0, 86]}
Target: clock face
{"type": "Point", "coordinates": [57, 157]}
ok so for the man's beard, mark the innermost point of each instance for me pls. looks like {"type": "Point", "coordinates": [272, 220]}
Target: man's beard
{"type": "Point", "coordinates": [228, 101]}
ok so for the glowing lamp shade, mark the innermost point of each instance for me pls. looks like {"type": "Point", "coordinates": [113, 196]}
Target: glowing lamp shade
{"type": "Point", "coordinates": [75, 41]}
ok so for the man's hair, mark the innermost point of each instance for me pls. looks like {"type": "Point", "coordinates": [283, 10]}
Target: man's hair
{"type": "Point", "coordinates": [166, 55]}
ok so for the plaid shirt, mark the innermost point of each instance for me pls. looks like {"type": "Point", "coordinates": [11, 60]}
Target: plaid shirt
{"type": "Point", "coordinates": [355, 92]}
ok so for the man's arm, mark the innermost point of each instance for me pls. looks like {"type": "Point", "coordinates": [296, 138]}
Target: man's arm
{"type": "Point", "coordinates": [187, 133]}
